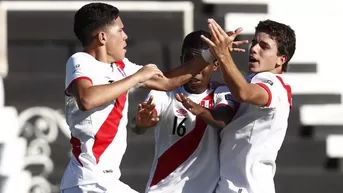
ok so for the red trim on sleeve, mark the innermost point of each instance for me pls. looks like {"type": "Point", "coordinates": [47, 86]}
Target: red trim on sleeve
{"type": "Point", "coordinates": [78, 78]}
{"type": "Point", "coordinates": [268, 91]}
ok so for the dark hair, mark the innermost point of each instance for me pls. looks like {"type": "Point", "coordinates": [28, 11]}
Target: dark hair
{"type": "Point", "coordinates": [283, 35]}
{"type": "Point", "coordinates": [92, 17]}
{"type": "Point", "coordinates": [193, 43]}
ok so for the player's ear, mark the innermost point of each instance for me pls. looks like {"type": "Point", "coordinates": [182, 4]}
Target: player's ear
{"type": "Point", "coordinates": [281, 60]}
{"type": "Point", "coordinates": [102, 37]}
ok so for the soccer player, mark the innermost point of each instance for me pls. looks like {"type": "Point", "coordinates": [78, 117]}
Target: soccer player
{"type": "Point", "coordinates": [96, 86]}
{"type": "Point", "coordinates": [260, 106]}
{"type": "Point", "coordinates": [186, 151]}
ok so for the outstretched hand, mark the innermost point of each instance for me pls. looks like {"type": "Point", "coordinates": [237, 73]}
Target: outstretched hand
{"type": "Point", "coordinates": [236, 43]}
{"type": "Point", "coordinates": [222, 41]}
{"type": "Point", "coordinates": [146, 115]}
{"type": "Point", "coordinates": [191, 106]}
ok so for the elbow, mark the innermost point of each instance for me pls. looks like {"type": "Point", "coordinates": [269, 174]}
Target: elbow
{"type": "Point", "coordinates": [223, 124]}
{"type": "Point", "coordinates": [168, 86]}
{"type": "Point", "coordinates": [241, 96]}
{"type": "Point", "coordinates": [220, 126]}
{"type": "Point", "coordinates": [85, 104]}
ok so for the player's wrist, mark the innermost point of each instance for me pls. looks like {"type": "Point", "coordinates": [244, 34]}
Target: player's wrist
{"type": "Point", "coordinates": [201, 110]}
{"type": "Point", "coordinates": [137, 78]}
{"type": "Point", "coordinates": [136, 128]}
{"type": "Point", "coordinates": [208, 56]}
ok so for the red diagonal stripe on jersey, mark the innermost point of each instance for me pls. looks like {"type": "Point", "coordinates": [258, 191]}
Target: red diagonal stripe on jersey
{"type": "Point", "coordinates": [180, 151]}
{"type": "Point", "coordinates": [109, 128]}
{"type": "Point", "coordinates": [76, 148]}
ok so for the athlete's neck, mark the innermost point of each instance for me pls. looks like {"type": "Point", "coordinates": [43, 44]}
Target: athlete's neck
{"type": "Point", "coordinates": [274, 71]}
{"type": "Point", "coordinates": [277, 70]}
{"type": "Point", "coordinates": [99, 55]}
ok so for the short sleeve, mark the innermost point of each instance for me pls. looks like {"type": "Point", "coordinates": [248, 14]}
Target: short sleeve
{"type": "Point", "coordinates": [268, 81]}
{"type": "Point", "coordinates": [130, 67]}
{"type": "Point", "coordinates": [78, 67]}
{"type": "Point", "coordinates": [223, 97]}
{"type": "Point", "coordinates": [161, 100]}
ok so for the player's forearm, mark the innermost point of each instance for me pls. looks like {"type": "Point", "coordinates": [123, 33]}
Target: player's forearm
{"type": "Point", "coordinates": [209, 116]}
{"type": "Point", "coordinates": [234, 79]}
{"type": "Point", "coordinates": [178, 76]}
{"type": "Point", "coordinates": [99, 95]}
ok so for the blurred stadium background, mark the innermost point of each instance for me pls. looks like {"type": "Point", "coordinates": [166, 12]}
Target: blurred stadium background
{"type": "Point", "coordinates": [36, 38]}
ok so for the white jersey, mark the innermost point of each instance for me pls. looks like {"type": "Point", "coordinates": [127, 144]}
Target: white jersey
{"type": "Point", "coordinates": [98, 136]}
{"type": "Point", "coordinates": [186, 149]}
{"type": "Point", "coordinates": [251, 141]}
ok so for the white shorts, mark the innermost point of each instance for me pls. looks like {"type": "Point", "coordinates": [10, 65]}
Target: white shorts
{"type": "Point", "coordinates": [118, 187]}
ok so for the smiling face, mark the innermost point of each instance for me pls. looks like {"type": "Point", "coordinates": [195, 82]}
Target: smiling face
{"type": "Point", "coordinates": [263, 56]}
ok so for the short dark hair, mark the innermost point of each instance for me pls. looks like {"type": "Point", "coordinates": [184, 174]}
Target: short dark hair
{"type": "Point", "coordinates": [283, 35]}
{"type": "Point", "coordinates": [92, 17]}
{"type": "Point", "coordinates": [193, 42]}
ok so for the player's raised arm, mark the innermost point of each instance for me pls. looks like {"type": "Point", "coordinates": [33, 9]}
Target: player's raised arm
{"type": "Point", "coordinates": [241, 90]}
{"type": "Point", "coordinates": [183, 73]}
{"type": "Point", "coordinates": [179, 75]}
{"type": "Point", "coordinates": [88, 96]}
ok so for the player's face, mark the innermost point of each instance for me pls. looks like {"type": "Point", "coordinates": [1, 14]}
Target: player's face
{"type": "Point", "coordinates": [200, 82]}
{"type": "Point", "coordinates": [263, 54]}
{"type": "Point", "coordinates": [116, 41]}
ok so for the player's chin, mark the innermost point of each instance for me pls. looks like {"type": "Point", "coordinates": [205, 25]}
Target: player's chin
{"type": "Point", "coordinates": [121, 55]}
{"type": "Point", "coordinates": [193, 84]}
{"type": "Point", "coordinates": [254, 68]}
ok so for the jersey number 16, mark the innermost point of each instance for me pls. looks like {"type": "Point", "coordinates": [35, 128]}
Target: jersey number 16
{"type": "Point", "coordinates": [179, 129]}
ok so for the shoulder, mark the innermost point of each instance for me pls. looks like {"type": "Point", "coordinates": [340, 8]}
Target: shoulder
{"type": "Point", "coordinates": [264, 77]}
{"type": "Point", "coordinates": [221, 89]}
{"type": "Point", "coordinates": [80, 56]}
{"type": "Point", "coordinates": [78, 59]}
{"type": "Point", "coordinates": [126, 61]}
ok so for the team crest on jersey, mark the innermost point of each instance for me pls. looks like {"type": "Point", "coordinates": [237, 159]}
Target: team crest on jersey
{"type": "Point", "coordinates": [181, 112]}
